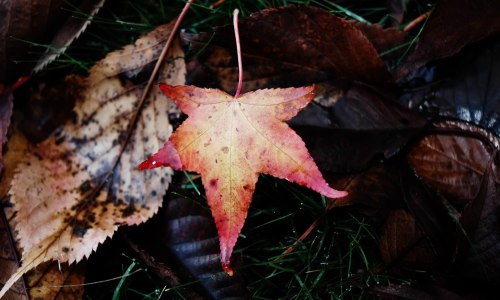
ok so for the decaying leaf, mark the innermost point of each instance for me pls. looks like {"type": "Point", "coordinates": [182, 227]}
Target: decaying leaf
{"type": "Point", "coordinates": [69, 194]}
{"type": "Point", "coordinates": [9, 260]}
{"type": "Point", "coordinates": [475, 20]}
{"type": "Point", "coordinates": [6, 105]}
{"type": "Point", "coordinates": [401, 241]}
{"type": "Point", "coordinates": [191, 236]}
{"type": "Point", "coordinates": [453, 164]}
{"type": "Point", "coordinates": [229, 141]}
{"type": "Point", "coordinates": [464, 168]}
{"type": "Point", "coordinates": [293, 45]}
{"type": "Point", "coordinates": [362, 126]}
{"type": "Point", "coordinates": [55, 281]}
{"type": "Point", "coordinates": [23, 22]}
{"type": "Point", "coordinates": [469, 90]}
{"type": "Point", "coordinates": [69, 31]}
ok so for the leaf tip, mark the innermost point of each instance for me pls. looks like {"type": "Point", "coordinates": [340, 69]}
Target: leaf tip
{"type": "Point", "coordinates": [338, 194]}
{"type": "Point", "coordinates": [227, 268]}
{"type": "Point", "coordinates": [166, 88]}
{"type": "Point", "coordinates": [167, 156]}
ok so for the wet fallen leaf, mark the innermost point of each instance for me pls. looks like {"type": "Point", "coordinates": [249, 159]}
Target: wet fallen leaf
{"type": "Point", "coordinates": [468, 89]}
{"type": "Point", "coordinates": [463, 168]}
{"type": "Point", "coordinates": [453, 164]}
{"type": "Point", "coordinates": [9, 260]}
{"type": "Point", "coordinates": [192, 238]}
{"type": "Point", "coordinates": [445, 34]}
{"type": "Point", "coordinates": [229, 141]}
{"type": "Point", "coordinates": [403, 243]}
{"type": "Point", "coordinates": [480, 220]}
{"type": "Point", "coordinates": [69, 31]}
{"type": "Point", "coordinates": [25, 22]}
{"type": "Point", "coordinates": [361, 127]}
{"type": "Point", "coordinates": [290, 46]}
{"type": "Point", "coordinates": [6, 106]}
{"type": "Point", "coordinates": [68, 194]}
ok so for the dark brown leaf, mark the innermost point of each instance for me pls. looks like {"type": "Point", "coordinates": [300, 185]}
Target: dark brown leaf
{"type": "Point", "coordinates": [434, 217]}
{"type": "Point", "coordinates": [192, 238]}
{"type": "Point", "coordinates": [69, 31]}
{"type": "Point", "coordinates": [361, 127]}
{"type": "Point", "coordinates": [455, 165]}
{"type": "Point", "coordinates": [54, 281]}
{"type": "Point", "coordinates": [373, 192]}
{"type": "Point", "coordinates": [9, 259]}
{"type": "Point", "coordinates": [480, 220]}
{"type": "Point", "coordinates": [469, 90]}
{"type": "Point", "coordinates": [5, 114]}
{"type": "Point", "coordinates": [412, 291]}
{"type": "Point", "coordinates": [25, 21]}
{"type": "Point", "coordinates": [387, 41]}
{"type": "Point", "coordinates": [463, 168]}
{"type": "Point", "coordinates": [296, 45]}
{"type": "Point", "coordinates": [452, 26]}
{"type": "Point", "coordinates": [184, 238]}
{"type": "Point", "coordinates": [403, 243]}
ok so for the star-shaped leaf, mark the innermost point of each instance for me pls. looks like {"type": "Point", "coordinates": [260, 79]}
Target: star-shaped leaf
{"type": "Point", "coordinates": [230, 141]}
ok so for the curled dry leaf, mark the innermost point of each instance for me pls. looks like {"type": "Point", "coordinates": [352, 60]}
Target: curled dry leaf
{"type": "Point", "coordinates": [68, 193]}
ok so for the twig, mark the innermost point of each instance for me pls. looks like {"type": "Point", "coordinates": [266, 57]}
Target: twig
{"type": "Point", "coordinates": [417, 21]}
{"type": "Point", "coordinates": [133, 121]}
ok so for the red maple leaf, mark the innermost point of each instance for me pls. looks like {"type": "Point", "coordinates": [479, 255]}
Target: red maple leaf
{"type": "Point", "coordinates": [230, 141]}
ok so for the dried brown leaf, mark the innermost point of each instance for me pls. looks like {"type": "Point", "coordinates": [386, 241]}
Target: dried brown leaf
{"type": "Point", "coordinates": [68, 194]}
{"type": "Point", "coordinates": [54, 281]}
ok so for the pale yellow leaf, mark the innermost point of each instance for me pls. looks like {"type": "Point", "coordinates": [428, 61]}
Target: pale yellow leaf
{"type": "Point", "coordinates": [68, 194]}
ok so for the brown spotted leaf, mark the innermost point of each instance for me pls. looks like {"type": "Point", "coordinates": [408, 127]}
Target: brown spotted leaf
{"type": "Point", "coordinates": [50, 280]}
{"type": "Point", "coordinates": [69, 195]}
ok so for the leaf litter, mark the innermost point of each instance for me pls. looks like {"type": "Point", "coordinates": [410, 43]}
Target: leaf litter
{"type": "Point", "coordinates": [430, 211]}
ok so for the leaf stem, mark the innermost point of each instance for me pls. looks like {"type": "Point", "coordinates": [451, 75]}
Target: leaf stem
{"type": "Point", "coordinates": [238, 50]}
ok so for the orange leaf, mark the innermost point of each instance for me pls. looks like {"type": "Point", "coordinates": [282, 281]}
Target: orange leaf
{"type": "Point", "coordinates": [231, 141]}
